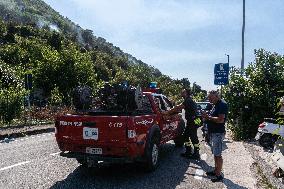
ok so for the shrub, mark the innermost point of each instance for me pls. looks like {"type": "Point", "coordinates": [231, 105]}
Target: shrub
{"type": "Point", "coordinates": [11, 104]}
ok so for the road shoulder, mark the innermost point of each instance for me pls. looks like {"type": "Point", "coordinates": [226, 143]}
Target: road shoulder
{"type": "Point", "coordinates": [21, 131]}
{"type": "Point", "coordinates": [237, 166]}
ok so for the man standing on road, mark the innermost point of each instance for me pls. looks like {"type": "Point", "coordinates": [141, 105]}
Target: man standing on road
{"type": "Point", "coordinates": [216, 128]}
{"type": "Point", "coordinates": [190, 108]}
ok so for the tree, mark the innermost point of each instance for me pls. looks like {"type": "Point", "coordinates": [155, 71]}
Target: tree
{"type": "Point", "coordinates": [254, 96]}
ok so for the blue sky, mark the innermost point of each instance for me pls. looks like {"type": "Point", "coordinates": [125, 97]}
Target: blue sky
{"type": "Point", "coordinates": [182, 38]}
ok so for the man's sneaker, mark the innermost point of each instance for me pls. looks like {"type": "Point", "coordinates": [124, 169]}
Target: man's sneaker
{"type": "Point", "coordinates": [218, 179]}
{"type": "Point", "coordinates": [211, 173]}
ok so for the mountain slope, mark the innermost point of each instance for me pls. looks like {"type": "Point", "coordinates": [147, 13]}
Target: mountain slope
{"type": "Point", "coordinates": [42, 15]}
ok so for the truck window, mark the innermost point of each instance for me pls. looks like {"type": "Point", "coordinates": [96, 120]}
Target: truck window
{"type": "Point", "coordinates": [168, 103]}
{"type": "Point", "coordinates": [146, 105]}
{"type": "Point", "coordinates": [160, 103]}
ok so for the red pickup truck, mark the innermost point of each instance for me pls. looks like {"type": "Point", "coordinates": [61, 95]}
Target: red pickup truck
{"type": "Point", "coordinates": [96, 137]}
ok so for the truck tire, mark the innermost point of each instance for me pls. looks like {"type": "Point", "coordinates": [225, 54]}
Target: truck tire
{"type": "Point", "coordinates": [267, 140]}
{"type": "Point", "coordinates": [152, 152]}
{"type": "Point", "coordinates": [179, 139]}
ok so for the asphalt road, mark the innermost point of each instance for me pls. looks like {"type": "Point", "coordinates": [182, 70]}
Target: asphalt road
{"type": "Point", "coordinates": [33, 162]}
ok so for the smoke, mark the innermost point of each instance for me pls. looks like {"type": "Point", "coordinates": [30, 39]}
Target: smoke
{"type": "Point", "coordinates": [9, 4]}
{"type": "Point", "coordinates": [41, 23]}
{"type": "Point", "coordinates": [54, 27]}
{"type": "Point", "coordinates": [78, 30]}
{"type": "Point", "coordinates": [21, 5]}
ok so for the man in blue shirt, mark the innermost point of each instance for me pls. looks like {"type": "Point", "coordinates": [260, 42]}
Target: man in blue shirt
{"type": "Point", "coordinates": [216, 128]}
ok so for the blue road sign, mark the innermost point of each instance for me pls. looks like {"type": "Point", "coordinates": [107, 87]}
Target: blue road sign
{"type": "Point", "coordinates": [221, 74]}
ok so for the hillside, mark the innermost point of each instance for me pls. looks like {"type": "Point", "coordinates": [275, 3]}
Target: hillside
{"type": "Point", "coordinates": [42, 15]}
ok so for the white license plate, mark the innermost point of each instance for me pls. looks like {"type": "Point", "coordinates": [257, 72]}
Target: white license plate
{"type": "Point", "coordinates": [90, 133]}
{"type": "Point", "coordinates": [94, 150]}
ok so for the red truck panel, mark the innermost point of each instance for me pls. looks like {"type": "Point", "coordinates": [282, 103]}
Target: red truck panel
{"type": "Point", "coordinates": [109, 135]}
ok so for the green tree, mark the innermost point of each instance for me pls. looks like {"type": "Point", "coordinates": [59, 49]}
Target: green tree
{"type": "Point", "coordinates": [253, 96]}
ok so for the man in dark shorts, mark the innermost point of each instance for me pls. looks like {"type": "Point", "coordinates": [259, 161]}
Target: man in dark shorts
{"type": "Point", "coordinates": [190, 108]}
{"type": "Point", "coordinates": [216, 128]}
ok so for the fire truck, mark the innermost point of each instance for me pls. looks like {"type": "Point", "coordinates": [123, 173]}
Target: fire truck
{"type": "Point", "coordinates": [124, 124]}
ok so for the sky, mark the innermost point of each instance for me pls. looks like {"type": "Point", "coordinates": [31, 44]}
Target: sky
{"type": "Point", "coordinates": [182, 38]}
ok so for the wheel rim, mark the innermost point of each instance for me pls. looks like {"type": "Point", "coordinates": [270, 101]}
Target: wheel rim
{"type": "Point", "coordinates": [155, 153]}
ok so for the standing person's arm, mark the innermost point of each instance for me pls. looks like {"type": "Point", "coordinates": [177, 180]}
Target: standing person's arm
{"type": "Point", "coordinates": [219, 119]}
{"type": "Point", "coordinates": [223, 110]}
{"type": "Point", "coordinates": [174, 110]}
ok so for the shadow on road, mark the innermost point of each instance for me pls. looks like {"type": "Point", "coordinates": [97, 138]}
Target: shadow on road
{"type": "Point", "coordinates": [227, 182]}
{"type": "Point", "coordinates": [169, 174]}
{"type": "Point", "coordinates": [230, 185]}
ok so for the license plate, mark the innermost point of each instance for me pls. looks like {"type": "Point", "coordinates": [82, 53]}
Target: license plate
{"type": "Point", "coordinates": [94, 150]}
{"type": "Point", "coordinates": [90, 133]}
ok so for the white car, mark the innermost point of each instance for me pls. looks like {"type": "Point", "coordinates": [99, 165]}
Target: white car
{"type": "Point", "coordinates": [268, 133]}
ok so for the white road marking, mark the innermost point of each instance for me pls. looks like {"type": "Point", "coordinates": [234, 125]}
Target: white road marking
{"type": "Point", "coordinates": [54, 154]}
{"type": "Point", "coordinates": [11, 166]}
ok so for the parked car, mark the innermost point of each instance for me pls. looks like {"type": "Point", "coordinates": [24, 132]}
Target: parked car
{"type": "Point", "coordinates": [125, 128]}
{"type": "Point", "coordinates": [268, 132]}
{"type": "Point", "coordinates": [271, 135]}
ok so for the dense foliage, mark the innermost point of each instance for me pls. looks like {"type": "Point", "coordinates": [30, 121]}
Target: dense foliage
{"type": "Point", "coordinates": [254, 96]}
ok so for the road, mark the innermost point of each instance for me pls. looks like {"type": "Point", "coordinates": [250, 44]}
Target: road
{"type": "Point", "coordinates": [34, 162]}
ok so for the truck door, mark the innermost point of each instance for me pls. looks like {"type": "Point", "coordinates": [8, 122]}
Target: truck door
{"type": "Point", "coordinates": [173, 120]}
{"type": "Point", "coordinates": [168, 124]}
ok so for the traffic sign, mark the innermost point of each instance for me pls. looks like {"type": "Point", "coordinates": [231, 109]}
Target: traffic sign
{"type": "Point", "coordinates": [221, 74]}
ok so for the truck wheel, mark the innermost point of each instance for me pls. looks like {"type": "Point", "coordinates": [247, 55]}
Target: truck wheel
{"type": "Point", "coordinates": [267, 140]}
{"type": "Point", "coordinates": [179, 140]}
{"type": "Point", "coordinates": [152, 154]}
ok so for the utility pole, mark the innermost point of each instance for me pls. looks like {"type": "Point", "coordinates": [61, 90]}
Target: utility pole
{"type": "Point", "coordinates": [229, 67]}
{"type": "Point", "coordinates": [243, 37]}
{"type": "Point", "coordinates": [228, 59]}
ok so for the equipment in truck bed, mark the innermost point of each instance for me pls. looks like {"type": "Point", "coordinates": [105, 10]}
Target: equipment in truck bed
{"type": "Point", "coordinates": [116, 97]}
